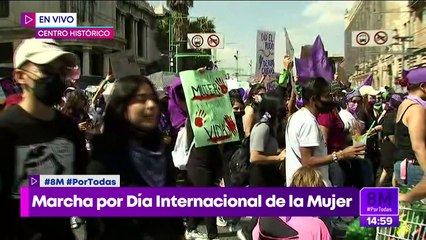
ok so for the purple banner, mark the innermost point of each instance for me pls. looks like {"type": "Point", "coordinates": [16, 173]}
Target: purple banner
{"type": "Point", "coordinates": [377, 201]}
{"type": "Point", "coordinates": [379, 221]}
{"type": "Point", "coordinates": [194, 202]}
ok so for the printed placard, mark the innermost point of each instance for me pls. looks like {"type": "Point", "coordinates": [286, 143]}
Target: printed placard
{"type": "Point", "coordinates": [209, 107]}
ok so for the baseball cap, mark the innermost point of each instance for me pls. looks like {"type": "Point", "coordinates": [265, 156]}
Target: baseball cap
{"type": "Point", "coordinates": [368, 90]}
{"type": "Point", "coordinates": [416, 76]}
{"type": "Point", "coordinates": [40, 51]}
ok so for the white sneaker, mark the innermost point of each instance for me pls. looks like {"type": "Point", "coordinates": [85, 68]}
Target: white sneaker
{"type": "Point", "coordinates": [240, 235]}
{"type": "Point", "coordinates": [221, 222]}
{"type": "Point", "coordinates": [195, 235]}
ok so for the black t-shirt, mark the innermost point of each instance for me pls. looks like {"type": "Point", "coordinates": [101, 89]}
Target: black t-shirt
{"type": "Point", "coordinates": [30, 146]}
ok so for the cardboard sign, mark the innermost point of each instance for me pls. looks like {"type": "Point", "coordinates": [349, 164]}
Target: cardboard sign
{"type": "Point", "coordinates": [123, 64]}
{"type": "Point", "coordinates": [265, 53]}
{"type": "Point", "coordinates": [209, 107]}
{"type": "Point", "coordinates": [306, 52]}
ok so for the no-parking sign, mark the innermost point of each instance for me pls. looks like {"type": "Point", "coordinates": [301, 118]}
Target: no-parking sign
{"type": "Point", "coordinates": [205, 41]}
{"type": "Point", "coordinates": [372, 38]}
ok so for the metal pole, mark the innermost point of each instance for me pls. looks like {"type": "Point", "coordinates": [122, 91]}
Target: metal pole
{"type": "Point", "coordinates": [170, 57]}
{"type": "Point", "coordinates": [403, 57]}
{"type": "Point", "coordinates": [237, 66]}
{"type": "Point", "coordinates": [176, 58]}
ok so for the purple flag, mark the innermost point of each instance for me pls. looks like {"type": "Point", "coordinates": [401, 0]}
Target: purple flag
{"type": "Point", "coordinates": [368, 81]}
{"type": "Point", "coordinates": [321, 65]}
{"type": "Point", "coordinates": [304, 69]}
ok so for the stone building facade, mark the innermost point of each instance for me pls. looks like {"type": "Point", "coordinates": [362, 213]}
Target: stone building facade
{"type": "Point", "coordinates": [386, 63]}
{"type": "Point", "coordinates": [134, 23]}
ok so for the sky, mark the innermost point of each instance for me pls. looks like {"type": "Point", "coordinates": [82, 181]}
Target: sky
{"type": "Point", "coordinates": [238, 22]}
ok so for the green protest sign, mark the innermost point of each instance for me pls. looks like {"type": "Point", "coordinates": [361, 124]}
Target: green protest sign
{"type": "Point", "coordinates": [209, 107]}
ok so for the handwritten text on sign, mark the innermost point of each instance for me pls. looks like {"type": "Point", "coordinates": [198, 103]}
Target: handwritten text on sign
{"type": "Point", "coordinates": [265, 63]}
{"type": "Point", "coordinates": [209, 107]}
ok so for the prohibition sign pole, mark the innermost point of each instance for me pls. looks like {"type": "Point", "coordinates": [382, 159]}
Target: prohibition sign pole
{"type": "Point", "coordinates": [213, 41]}
{"type": "Point", "coordinates": [197, 41]}
{"type": "Point", "coordinates": [362, 38]}
{"type": "Point", "coordinates": [381, 37]}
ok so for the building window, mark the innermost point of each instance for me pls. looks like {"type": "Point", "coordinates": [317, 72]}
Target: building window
{"type": "Point", "coordinates": [118, 21]}
{"type": "Point", "coordinates": [128, 32]}
{"type": "Point", "coordinates": [85, 10]}
{"type": "Point", "coordinates": [6, 53]}
{"type": "Point", "coordinates": [141, 39]}
{"type": "Point", "coordinates": [423, 17]}
{"type": "Point", "coordinates": [4, 9]}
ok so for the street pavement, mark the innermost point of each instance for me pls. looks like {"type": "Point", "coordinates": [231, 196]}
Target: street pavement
{"type": "Point", "coordinates": [223, 232]}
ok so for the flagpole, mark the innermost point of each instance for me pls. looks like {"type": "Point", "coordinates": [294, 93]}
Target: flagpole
{"type": "Point", "coordinates": [291, 57]}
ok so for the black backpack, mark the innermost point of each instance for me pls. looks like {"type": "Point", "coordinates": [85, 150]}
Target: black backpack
{"type": "Point", "coordinates": [239, 164]}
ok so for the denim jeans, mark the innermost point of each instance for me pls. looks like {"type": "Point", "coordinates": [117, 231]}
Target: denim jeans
{"type": "Point", "coordinates": [414, 174]}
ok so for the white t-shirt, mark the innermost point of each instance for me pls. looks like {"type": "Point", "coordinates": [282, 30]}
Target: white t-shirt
{"type": "Point", "coordinates": [347, 118]}
{"type": "Point", "coordinates": [303, 131]}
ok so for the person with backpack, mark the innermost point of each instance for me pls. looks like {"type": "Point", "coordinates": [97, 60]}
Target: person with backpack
{"type": "Point", "coordinates": [235, 166]}
{"type": "Point", "coordinates": [265, 159]}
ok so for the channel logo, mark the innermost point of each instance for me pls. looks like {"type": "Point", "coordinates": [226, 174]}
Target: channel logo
{"type": "Point", "coordinates": [39, 20]}
{"type": "Point", "coordinates": [63, 26]}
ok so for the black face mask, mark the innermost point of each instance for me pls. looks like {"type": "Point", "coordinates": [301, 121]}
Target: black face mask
{"type": "Point", "coordinates": [325, 106]}
{"type": "Point", "coordinates": [49, 90]}
{"type": "Point", "coordinates": [239, 114]}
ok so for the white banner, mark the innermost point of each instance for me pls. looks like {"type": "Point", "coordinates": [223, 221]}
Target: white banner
{"type": "Point", "coordinates": [265, 62]}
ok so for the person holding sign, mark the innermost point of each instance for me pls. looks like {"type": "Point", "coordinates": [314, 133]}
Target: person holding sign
{"type": "Point", "coordinates": [210, 122]}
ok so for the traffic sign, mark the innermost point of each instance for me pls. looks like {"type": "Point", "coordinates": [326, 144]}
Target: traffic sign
{"type": "Point", "coordinates": [213, 40]}
{"type": "Point", "coordinates": [197, 41]}
{"type": "Point", "coordinates": [381, 37]}
{"type": "Point", "coordinates": [205, 41]}
{"type": "Point", "coordinates": [362, 38]}
{"type": "Point", "coordinates": [371, 38]}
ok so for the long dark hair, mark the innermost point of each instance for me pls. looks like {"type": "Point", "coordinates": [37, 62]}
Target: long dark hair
{"type": "Point", "coordinates": [269, 106]}
{"type": "Point", "coordinates": [124, 91]}
{"type": "Point", "coordinates": [235, 96]}
{"type": "Point", "coordinates": [71, 107]}
{"type": "Point", "coordinates": [255, 89]}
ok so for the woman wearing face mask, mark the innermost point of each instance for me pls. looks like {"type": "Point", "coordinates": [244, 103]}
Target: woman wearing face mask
{"type": "Point", "coordinates": [229, 148]}
{"type": "Point", "coordinates": [410, 138]}
{"type": "Point", "coordinates": [305, 144]}
{"type": "Point", "coordinates": [132, 146]}
{"type": "Point", "coordinates": [387, 148]}
{"type": "Point", "coordinates": [367, 114]}
{"type": "Point", "coordinates": [332, 128]}
{"type": "Point", "coordinates": [253, 100]}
